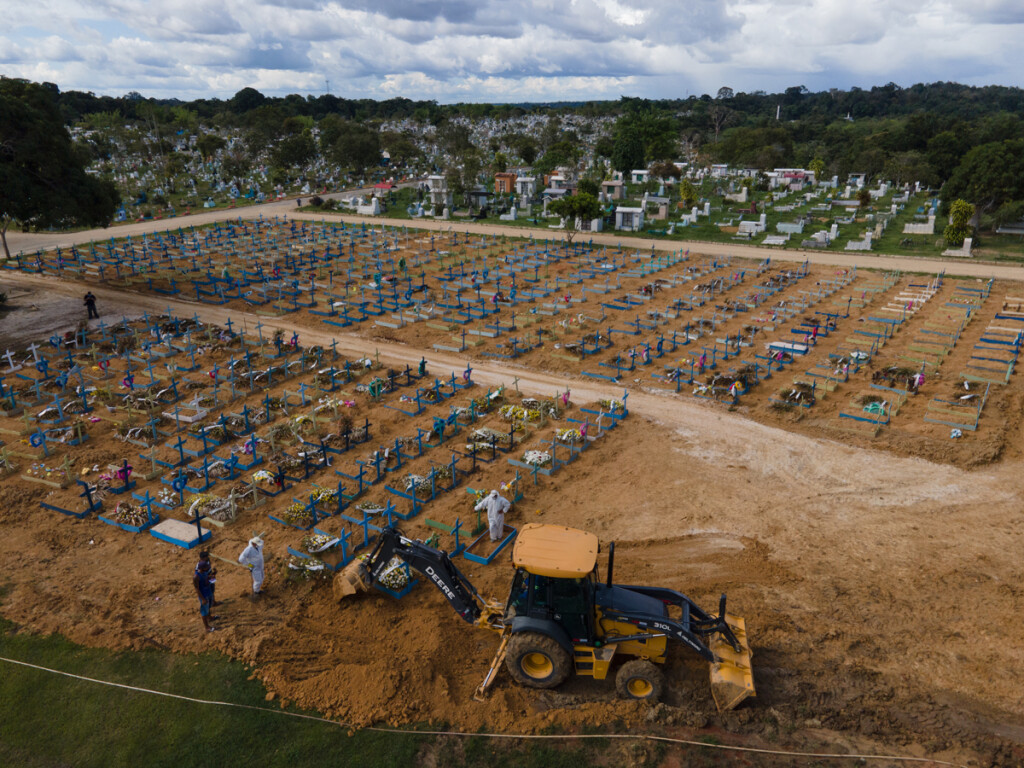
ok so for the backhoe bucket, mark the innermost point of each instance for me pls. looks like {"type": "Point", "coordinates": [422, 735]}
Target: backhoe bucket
{"type": "Point", "coordinates": [732, 676]}
{"type": "Point", "coordinates": [350, 580]}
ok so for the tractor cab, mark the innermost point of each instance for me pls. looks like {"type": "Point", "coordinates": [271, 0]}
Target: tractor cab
{"type": "Point", "coordinates": [555, 580]}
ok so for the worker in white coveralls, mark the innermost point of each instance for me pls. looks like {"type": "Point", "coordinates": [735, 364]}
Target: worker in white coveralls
{"type": "Point", "coordinates": [252, 558]}
{"type": "Point", "coordinates": [496, 506]}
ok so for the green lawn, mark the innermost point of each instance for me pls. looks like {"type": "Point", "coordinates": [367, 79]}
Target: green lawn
{"type": "Point", "coordinates": [49, 720]}
{"type": "Point", "coordinates": [52, 720]}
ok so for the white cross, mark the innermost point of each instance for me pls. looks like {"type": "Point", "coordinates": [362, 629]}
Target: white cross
{"type": "Point", "coordinates": [32, 348]}
{"type": "Point", "coordinates": [10, 361]}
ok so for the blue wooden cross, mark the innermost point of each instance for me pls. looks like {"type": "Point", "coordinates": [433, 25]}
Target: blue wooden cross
{"type": "Point", "coordinates": [38, 439]}
{"type": "Point", "coordinates": [147, 502]}
{"type": "Point", "coordinates": [87, 495]}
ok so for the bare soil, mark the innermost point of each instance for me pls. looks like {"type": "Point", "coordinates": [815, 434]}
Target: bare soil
{"type": "Point", "coordinates": [880, 578]}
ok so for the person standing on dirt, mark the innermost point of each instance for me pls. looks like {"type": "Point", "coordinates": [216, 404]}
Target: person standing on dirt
{"type": "Point", "coordinates": [204, 555]}
{"type": "Point", "coordinates": [496, 506]}
{"type": "Point", "coordinates": [201, 582]}
{"type": "Point", "coordinates": [252, 558]}
{"type": "Point", "coordinates": [90, 304]}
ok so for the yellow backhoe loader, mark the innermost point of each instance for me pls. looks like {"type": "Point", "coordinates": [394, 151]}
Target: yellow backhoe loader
{"type": "Point", "coordinates": [560, 619]}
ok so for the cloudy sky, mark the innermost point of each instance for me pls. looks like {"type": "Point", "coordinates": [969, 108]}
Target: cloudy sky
{"type": "Point", "coordinates": [507, 50]}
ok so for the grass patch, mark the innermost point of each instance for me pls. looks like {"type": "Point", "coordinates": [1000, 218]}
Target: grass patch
{"type": "Point", "coordinates": [51, 721]}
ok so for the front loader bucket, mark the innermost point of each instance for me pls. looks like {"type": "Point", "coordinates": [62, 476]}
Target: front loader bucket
{"type": "Point", "coordinates": [732, 676]}
{"type": "Point", "coordinates": [350, 580]}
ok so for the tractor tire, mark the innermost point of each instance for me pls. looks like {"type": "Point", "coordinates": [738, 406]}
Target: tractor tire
{"type": "Point", "coordinates": [537, 661]}
{"type": "Point", "coordinates": [640, 680]}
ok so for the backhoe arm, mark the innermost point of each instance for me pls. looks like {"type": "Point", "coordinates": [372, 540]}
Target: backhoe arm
{"type": "Point", "coordinates": [435, 564]}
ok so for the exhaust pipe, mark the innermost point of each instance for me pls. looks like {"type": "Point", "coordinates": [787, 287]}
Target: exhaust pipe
{"type": "Point", "coordinates": [611, 562]}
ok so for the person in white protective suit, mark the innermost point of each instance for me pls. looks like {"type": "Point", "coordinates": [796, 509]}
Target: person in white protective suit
{"type": "Point", "coordinates": [496, 506]}
{"type": "Point", "coordinates": [252, 558]}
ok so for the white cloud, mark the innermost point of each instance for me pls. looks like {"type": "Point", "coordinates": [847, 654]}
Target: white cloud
{"type": "Point", "coordinates": [498, 50]}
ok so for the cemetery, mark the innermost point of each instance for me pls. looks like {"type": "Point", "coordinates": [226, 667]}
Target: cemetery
{"type": "Point", "coordinates": [314, 382]}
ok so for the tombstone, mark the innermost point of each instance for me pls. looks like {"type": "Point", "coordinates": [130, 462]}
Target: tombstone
{"type": "Point", "coordinates": [763, 221]}
{"type": "Point", "coordinates": [707, 209]}
{"type": "Point", "coordinates": [833, 233]}
{"type": "Point", "coordinates": [846, 192]}
{"type": "Point", "coordinates": [446, 214]}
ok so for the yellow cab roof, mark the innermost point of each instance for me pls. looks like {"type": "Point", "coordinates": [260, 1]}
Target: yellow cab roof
{"type": "Point", "coordinates": [555, 551]}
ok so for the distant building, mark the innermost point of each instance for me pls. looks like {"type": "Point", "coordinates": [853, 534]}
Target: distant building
{"type": "Point", "coordinates": [526, 187]}
{"type": "Point", "coordinates": [504, 183]}
{"type": "Point", "coordinates": [613, 190]}
{"type": "Point", "coordinates": [629, 219]}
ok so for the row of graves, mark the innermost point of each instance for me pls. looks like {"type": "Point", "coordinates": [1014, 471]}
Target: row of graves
{"type": "Point", "coordinates": [166, 426]}
{"type": "Point", "coordinates": [606, 310]}
{"type": "Point", "coordinates": [716, 326]}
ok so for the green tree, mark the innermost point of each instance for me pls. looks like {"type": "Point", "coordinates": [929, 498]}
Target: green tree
{"type": "Point", "coordinates": [43, 182]}
{"type": "Point", "coordinates": [863, 197]}
{"type": "Point", "coordinates": [628, 151]}
{"type": "Point", "coordinates": [355, 146]}
{"type": "Point", "coordinates": [209, 143]}
{"type": "Point", "coordinates": [989, 175]}
{"type": "Point", "coordinates": [400, 147]}
{"type": "Point", "coordinates": [588, 187]}
{"type": "Point", "coordinates": [817, 167]}
{"type": "Point", "coordinates": [959, 228]}
{"type": "Point", "coordinates": [665, 170]}
{"type": "Point", "coordinates": [641, 135]}
{"type": "Point", "coordinates": [294, 151]}
{"type": "Point", "coordinates": [688, 193]}
{"type": "Point", "coordinates": [575, 209]}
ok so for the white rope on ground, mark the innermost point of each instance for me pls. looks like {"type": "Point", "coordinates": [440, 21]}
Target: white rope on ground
{"type": "Point", "coordinates": [512, 736]}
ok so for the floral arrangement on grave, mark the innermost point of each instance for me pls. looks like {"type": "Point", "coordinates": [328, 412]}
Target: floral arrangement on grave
{"type": "Point", "coordinates": [103, 394]}
{"type": "Point", "coordinates": [278, 432]}
{"type": "Point", "coordinates": [568, 435]}
{"type": "Point", "coordinates": [419, 485]}
{"type": "Point", "coordinates": [211, 506]}
{"type": "Point", "coordinates": [297, 514]}
{"type": "Point", "coordinates": [537, 458]}
{"type": "Point", "coordinates": [126, 431]}
{"type": "Point", "coordinates": [287, 462]}
{"type": "Point", "coordinates": [518, 415]}
{"type": "Point", "coordinates": [129, 514]}
{"type": "Point", "coordinates": [316, 543]}
{"type": "Point", "coordinates": [550, 408]}
{"type": "Point", "coordinates": [611, 405]}
{"type": "Point", "coordinates": [370, 507]}
{"type": "Point", "coordinates": [327, 495]}
{"type": "Point", "coordinates": [395, 575]}
{"type": "Point", "coordinates": [278, 337]}
{"type": "Point", "coordinates": [263, 477]}
{"type": "Point", "coordinates": [331, 404]}
{"type": "Point", "coordinates": [167, 497]}
{"type": "Point", "coordinates": [215, 431]}
{"type": "Point", "coordinates": [306, 569]}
